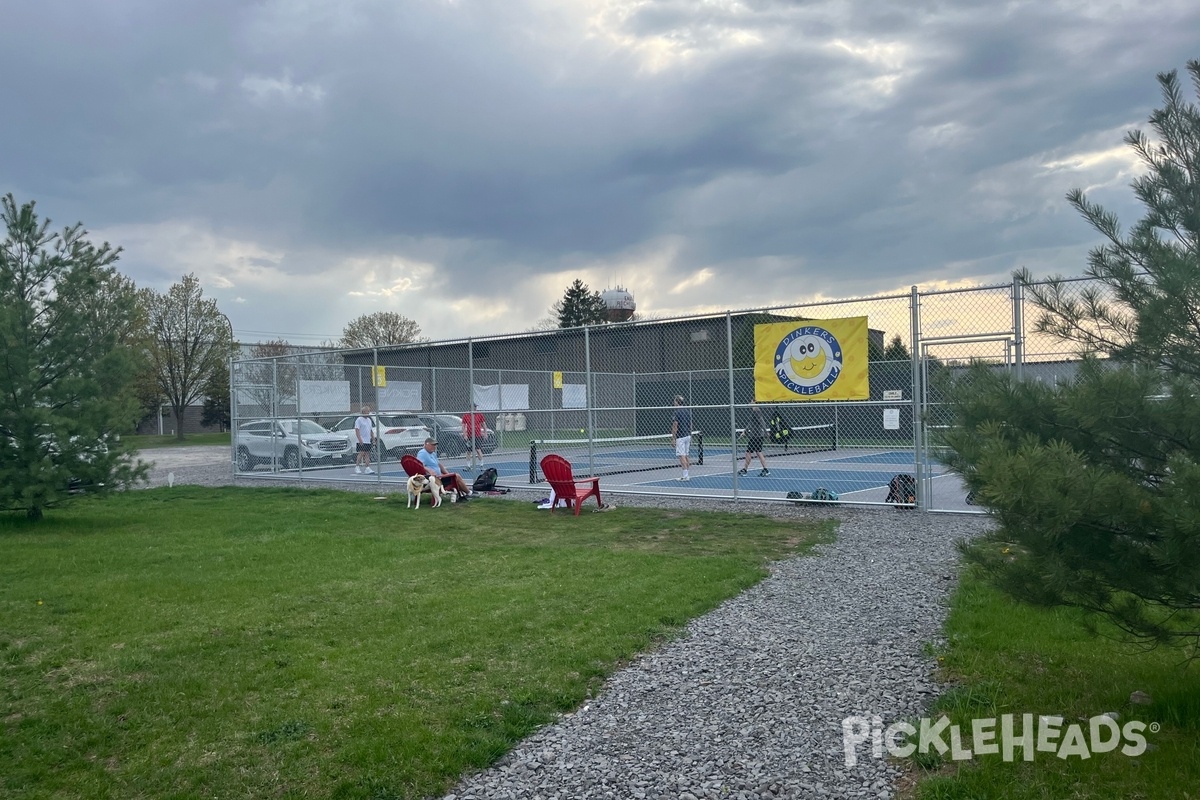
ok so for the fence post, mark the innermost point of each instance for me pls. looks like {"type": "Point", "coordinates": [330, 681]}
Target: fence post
{"type": "Point", "coordinates": [376, 440]}
{"type": "Point", "coordinates": [918, 397]}
{"type": "Point", "coordinates": [471, 372]}
{"type": "Point", "coordinates": [587, 387]}
{"type": "Point", "coordinates": [299, 438]}
{"type": "Point", "coordinates": [732, 402]}
{"type": "Point", "coordinates": [1018, 306]}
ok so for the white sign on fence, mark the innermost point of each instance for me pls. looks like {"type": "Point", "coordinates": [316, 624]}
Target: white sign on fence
{"type": "Point", "coordinates": [893, 394]}
{"type": "Point", "coordinates": [400, 396]}
{"type": "Point", "coordinates": [891, 419]}
{"type": "Point", "coordinates": [574, 395]}
{"type": "Point", "coordinates": [509, 396]}
{"type": "Point", "coordinates": [319, 397]}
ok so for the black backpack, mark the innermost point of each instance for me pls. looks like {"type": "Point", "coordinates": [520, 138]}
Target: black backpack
{"type": "Point", "coordinates": [902, 488]}
{"type": "Point", "coordinates": [486, 482]}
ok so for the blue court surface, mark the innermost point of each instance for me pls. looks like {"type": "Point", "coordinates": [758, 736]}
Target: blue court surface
{"type": "Point", "coordinates": [896, 457]}
{"type": "Point", "coordinates": [790, 472]}
{"type": "Point", "coordinates": [783, 481]}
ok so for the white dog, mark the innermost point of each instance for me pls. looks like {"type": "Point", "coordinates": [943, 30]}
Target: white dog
{"type": "Point", "coordinates": [422, 483]}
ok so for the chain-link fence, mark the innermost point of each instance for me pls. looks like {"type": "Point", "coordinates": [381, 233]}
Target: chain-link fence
{"type": "Point", "coordinates": [776, 400]}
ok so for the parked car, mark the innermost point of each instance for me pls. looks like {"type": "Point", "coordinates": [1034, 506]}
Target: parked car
{"type": "Point", "coordinates": [263, 441]}
{"type": "Point", "coordinates": [398, 433]}
{"type": "Point", "coordinates": [447, 429]}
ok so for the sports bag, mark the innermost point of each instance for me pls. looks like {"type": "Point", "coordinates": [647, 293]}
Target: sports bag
{"type": "Point", "coordinates": [902, 488]}
{"type": "Point", "coordinates": [823, 495]}
{"type": "Point", "coordinates": [486, 482]}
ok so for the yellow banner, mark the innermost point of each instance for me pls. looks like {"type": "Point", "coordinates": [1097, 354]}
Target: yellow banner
{"type": "Point", "coordinates": [379, 377]}
{"type": "Point", "coordinates": [816, 359]}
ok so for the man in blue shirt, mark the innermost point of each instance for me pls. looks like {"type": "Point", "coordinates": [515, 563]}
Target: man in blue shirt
{"type": "Point", "coordinates": [427, 455]}
{"type": "Point", "coordinates": [681, 432]}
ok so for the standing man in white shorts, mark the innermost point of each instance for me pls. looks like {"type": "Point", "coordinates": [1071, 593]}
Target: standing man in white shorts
{"type": "Point", "coordinates": [363, 432]}
{"type": "Point", "coordinates": [681, 432]}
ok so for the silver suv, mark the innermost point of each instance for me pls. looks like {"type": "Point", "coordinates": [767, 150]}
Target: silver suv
{"type": "Point", "coordinates": [267, 441]}
{"type": "Point", "coordinates": [398, 433]}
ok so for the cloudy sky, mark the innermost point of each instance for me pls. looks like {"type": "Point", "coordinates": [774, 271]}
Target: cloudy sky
{"type": "Point", "coordinates": [461, 161]}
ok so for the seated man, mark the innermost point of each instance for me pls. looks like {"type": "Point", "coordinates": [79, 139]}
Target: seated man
{"type": "Point", "coordinates": [427, 455]}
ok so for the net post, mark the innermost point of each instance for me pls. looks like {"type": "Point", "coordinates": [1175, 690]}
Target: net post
{"type": "Point", "coordinates": [532, 461]}
{"type": "Point", "coordinates": [700, 448]}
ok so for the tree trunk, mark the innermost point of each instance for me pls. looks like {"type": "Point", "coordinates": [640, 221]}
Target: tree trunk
{"type": "Point", "coordinates": [178, 422]}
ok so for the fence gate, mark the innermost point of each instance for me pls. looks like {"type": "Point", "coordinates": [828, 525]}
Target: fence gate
{"type": "Point", "coordinates": [997, 341]}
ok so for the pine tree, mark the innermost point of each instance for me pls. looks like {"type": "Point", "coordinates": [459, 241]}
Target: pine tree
{"type": "Point", "coordinates": [66, 326]}
{"type": "Point", "coordinates": [580, 306]}
{"type": "Point", "coordinates": [1096, 484]}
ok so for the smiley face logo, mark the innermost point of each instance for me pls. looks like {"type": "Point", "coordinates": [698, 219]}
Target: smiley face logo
{"type": "Point", "coordinates": [807, 357]}
{"type": "Point", "coordinates": [808, 360]}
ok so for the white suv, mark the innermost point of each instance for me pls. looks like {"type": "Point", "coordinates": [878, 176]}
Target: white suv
{"type": "Point", "coordinates": [265, 441]}
{"type": "Point", "coordinates": [398, 433]}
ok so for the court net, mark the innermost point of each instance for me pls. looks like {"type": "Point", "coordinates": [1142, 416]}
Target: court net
{"type": "Point", "coordinates": [613, 455]}
{"type": "Point", "coordinates": [803, 439]}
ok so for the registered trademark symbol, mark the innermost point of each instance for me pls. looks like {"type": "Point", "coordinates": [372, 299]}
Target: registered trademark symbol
{"type": "Point", "coordinates": [1155, 727]}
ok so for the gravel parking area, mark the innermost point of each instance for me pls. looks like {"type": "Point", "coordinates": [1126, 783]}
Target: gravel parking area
{"type": "Point", "coordinates": [749, 702]}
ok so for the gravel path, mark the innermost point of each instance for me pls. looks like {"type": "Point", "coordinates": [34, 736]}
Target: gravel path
{"type": "Point", "coordinates": [749, 701]}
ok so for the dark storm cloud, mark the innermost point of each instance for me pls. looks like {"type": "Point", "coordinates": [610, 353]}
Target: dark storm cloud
{"type": "Point", "coordinates": [861, 144]}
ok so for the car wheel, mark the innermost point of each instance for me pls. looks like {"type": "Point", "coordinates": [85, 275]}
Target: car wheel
{"type": "Point", "coordinates": [244, 462]}
{"type": "Point", "coordinates": [291, 458]}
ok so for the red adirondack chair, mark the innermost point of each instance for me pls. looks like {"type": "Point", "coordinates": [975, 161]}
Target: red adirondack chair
{"type": "Point", "coordinates": [412, 465]}
{"type": "Point", "coordinates": [558, 474]}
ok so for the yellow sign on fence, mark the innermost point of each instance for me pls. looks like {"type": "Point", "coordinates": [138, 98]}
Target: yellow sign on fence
{"type": "Point", "coordinates": [379, 377]}
{"type": "Point", "coordinates": [811, 360]}
{"type": "Point", "coordinates": [558, 380]}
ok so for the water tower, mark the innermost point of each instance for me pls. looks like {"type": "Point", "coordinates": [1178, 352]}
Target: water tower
{"type": "Point", "coordinates": [620, 304]}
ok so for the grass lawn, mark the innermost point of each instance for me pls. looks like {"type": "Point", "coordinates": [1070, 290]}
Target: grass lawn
{"type": "Point", "coordinates": [1013, 659]}
{"type": "Point", "coordinates": [150, 442]}
{"type": "Point", "coordinates": [273, 642]}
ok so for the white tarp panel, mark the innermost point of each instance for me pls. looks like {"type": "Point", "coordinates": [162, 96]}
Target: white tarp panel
{"type": "Point", "coordinates": [320, 397]}
{"type": "Point", "coordinates": [508, 397]}
{"type": "Point", "coordinates": [400, 396]}
{"type": "Point", "coordinates": [574, 395]}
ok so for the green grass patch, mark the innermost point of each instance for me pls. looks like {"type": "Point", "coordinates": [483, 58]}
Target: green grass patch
{"type": "Point", "coordinates": [243, 642]}
{"type": "Point", "coordinates": [1006, 658]}
{"type": "Point", "coordinates": [150, 442]}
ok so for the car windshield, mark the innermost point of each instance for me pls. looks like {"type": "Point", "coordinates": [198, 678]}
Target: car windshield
{"type": "Point", "coordinates": [447, 421]}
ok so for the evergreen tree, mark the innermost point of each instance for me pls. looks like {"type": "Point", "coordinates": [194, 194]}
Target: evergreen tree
{"type": "Point", "coordinates": [896, 350]}
{"type": "Point", "coordinates": [1096, 484]}
{"type": "Point", "coordinates": [66, 322]}
{"type": "Point", "coordinates": [186, 339]}
{"type": "Point", "coordinates": [580, 306]}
